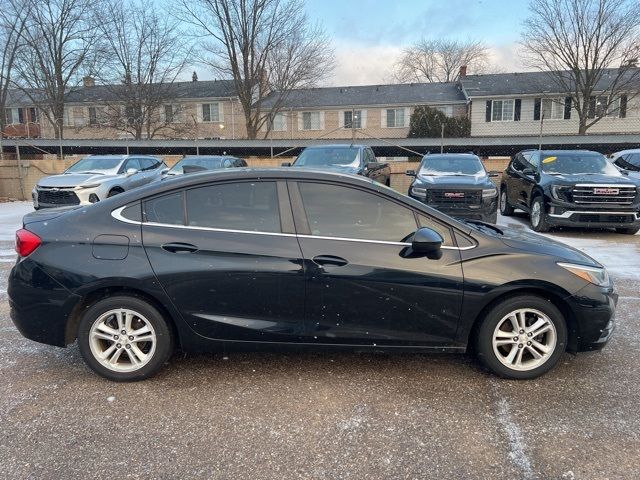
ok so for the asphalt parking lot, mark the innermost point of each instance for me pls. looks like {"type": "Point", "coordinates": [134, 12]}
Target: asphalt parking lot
{"type": "Point", "coordinates": [331, 416]}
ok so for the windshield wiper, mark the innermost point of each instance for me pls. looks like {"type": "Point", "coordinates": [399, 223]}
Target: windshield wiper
{"type": "Point", "coordinates": [486, 226]}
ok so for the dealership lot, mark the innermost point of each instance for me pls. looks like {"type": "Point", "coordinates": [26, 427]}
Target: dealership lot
{"type": "Point", "coordinates": [269, 415]}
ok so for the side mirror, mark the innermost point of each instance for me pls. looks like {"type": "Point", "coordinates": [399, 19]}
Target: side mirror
{"type": "Point", "coordinates": [286, 164]}
{"type": "Point", "coordinates": [427, 241]}
{"type": "Point", "coordinates": [164, 171]}
{"type": "Point", "coordinates": [131, 171]}
{"type": "Point", "coordinates": [371, 165]}
{"type": "Point", "coordinates": [529, 172]}
{"type": "Point", "coordinates": [410, 173]}
{"type": "Point", "coordinates": [494, 174]}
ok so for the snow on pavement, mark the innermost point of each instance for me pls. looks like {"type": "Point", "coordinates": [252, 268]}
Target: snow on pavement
{"type": "Point", "coordinates": [11, 214]}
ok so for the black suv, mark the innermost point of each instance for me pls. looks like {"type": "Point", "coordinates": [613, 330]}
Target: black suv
{"type": "Point", "coordinates": [570, 187]}
{"type": "Point", "coordinates": [456, 184]}
{"type": "Point", "coordinates": [344, 158]}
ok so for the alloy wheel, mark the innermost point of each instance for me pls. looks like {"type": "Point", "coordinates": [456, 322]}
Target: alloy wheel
{"type": "Point", "coordinates": [536, 213]}
{"type": "Point", "coordinates": [524, 339]}
{"type": "Point", "coordinates": [122, 340]}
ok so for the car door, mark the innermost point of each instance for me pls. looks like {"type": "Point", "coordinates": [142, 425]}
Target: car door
{"type": "Point", "coordinates": [228, 258]}
{"type": "Point", "coordinates": [149, 169]}
{"type": "Point", "coordinates": [362, 284]}
{"type": "Point", "coordinates": [137, 179]}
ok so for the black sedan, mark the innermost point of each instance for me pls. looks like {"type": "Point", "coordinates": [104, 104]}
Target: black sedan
{"type": "Point", "coordinates": [200, 163]}
{"type": "Point", "coordinates": [287, 258]}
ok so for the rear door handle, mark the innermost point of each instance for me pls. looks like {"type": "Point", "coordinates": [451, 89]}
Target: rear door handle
{"type": "Point", "coordinates": [178, 247]}
{"type": "Point", "coordinates": [332, 260]}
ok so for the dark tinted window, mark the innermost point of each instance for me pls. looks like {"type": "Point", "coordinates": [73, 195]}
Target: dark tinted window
{"type": "Point", "coordinates": [251, 206]}
{"type": "Point", "coordinates": [147, 164]}
{"type": "Point", "coordinates": [133, 212]}
{"type": "Point", "coordinates": [518, 163]}
{"type": "Point", "coordinates": [630, 161]}
{"type": "Point", "coordinates": [337, 211]}
{"type": "Point", "coordinates": [165, 209]}
{"type": "Point", "coordinates": [443, 230]}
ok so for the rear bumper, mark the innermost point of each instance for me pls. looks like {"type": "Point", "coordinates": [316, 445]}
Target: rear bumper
{"type": "Point", "coordinates": [594, 309]}
{"type": "Point", "coordinates": [39, 306]}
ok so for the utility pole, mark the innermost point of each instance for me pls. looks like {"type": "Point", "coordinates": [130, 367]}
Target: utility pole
{"type": "Point", "coordinates": [353, 126]}
{"type": "Point", "coordinates": [20, 180]}
{"type": "Point", "coordinates": [442, 139]}
{"type": "Point", "coordinates": [541, 124]}
{"type": "Point", "coordinates": [60, 138]}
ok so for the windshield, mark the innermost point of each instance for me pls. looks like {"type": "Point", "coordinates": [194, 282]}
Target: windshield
{"type": "Point", "coordinates": [328, 157]}
{"type": "Point", "coordinates": [95, 165]}
{"type": "Point", "coordinates": [577, 163]}
{"type": "Point", "coordinates": [451, 166]}
{"type": "Point", "coordinates": [210, 163]}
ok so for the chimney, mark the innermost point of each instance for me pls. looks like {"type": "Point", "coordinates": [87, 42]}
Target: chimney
{"type": "Point", "coordinates": [194, 77]}
{"type": "Point", "coordinates": [88, 81]}
{"type": "Point", "coordinates": [463, 71]}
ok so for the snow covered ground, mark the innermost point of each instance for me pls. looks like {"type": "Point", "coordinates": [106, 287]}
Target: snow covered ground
{"type": "Point", "coordinates": [11, 214]}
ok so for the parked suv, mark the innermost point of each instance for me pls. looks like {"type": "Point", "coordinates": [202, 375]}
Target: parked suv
{"type": "Point", "coordinates": [456, 184]}
{"type": "Point", "coordinates": [628, 160]}
{"type": "Point", "coordinates": [353, 159]}
{"type": "Point", "coordinates": [95, 178]}
{"type": "Point", "coordinates": [573, 188]}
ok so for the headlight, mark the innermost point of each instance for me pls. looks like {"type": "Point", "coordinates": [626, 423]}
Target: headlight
{"type": "Point", "coordinates": [559, 192]}
{"type": "Point", "coordinates": [419, 192]}
{"type": "Point", "coordinates": [489, 192]}
{"type": "Point", "coordinates": [93, 185]}
{"type": "Point", "coordinates": [596, 275]}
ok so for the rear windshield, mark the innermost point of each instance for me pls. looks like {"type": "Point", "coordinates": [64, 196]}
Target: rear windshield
{"type": "Point", "coordinates": [328, 157]}
{"type": "Point", "coordinates": [577, 163]}
{"type": "Point", "coordinates": [451, 166]}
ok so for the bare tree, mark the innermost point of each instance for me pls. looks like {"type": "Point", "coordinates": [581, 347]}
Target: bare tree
{"type": "Point", "coordinates": [13, 18]}
{"type": "Point", "coordinates": [145, 53]}
{"type": "Point", "coordinates": [589, 50]}
{"type": "Point", "coordinates": [265, 46]}
{"type": "Point", "coordinates": [59, 49]}
{"type": "Point", "coordinates": [439, 60]}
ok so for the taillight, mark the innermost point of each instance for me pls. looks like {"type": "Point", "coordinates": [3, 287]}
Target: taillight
{"type": "Point", "coordinates": [26, 242]}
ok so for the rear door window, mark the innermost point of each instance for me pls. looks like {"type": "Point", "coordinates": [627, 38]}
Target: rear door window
{"type": "Point", "coordinates": [340, 211]}
{"type": "Point", "coordinates": [247, 206]}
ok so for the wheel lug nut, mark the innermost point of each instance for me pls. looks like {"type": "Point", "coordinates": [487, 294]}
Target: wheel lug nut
{"type": "Point", "coordinates": [515, 339]}
{"type": "Point", "coordinates": [118, 345]}
{"type": "Point", "coordinates": [520, 345]}
{"type": "Point", "coordinates": [131, 337]}
{"type": "Point", "coordinates": [529, 343]}
{"type": "Point", "coordinates": [521, 331]}
{"type": "Point", "coordinates": [128, 346]}
{"type": "Point", "coordinates": [124, 332]}
{"type": "Point", "coordinates": [530, 334]}
{"type": "Point", "coordinates": [116, 337]}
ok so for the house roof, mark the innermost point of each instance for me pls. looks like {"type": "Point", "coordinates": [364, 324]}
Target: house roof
{"type": "Point", "coordinates": [527, 83]}
{"type": "Point", "coordinates": [109, 93]}
{"type": "Point", "coordinates": [396, 94]}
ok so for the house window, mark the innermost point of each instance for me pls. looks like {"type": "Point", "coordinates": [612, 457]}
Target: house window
{"type": "Point", "coordinates": [311, 121]}
{"type": "Point", "coordinates": [614, 108]}
{"type": "Point", "coordinates": [67, 117]}
{"type": "Point", "coordinates": [446, 109]}
{"type": "Point", "coordinates": [395, 118]}
{"type": "Point", "coordinates": [210, 112]}
{"type": "Point", "coordinates": [34, 116]}
{"type": "Point", "coordinates": [93, 116]}
{"type": "Point", "coordinates": [14, 115]}
{"type": "Point", "coordinates": [352, 118]}
{"type": "Point", "coordinates": [279, 122]}
{"type": "Point", "coordinates": [553, 108]}
{"type": "Point", "coordinates": [502, 110]}
{"type": "Point", "coordinates": [168, 113]}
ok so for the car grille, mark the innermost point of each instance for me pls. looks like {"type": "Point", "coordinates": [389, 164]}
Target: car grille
{"type": "Point", "coordinates": [604, 194]}
{"type": "Point", "coordinates": [54, 196]}
{"type": "Point", "coordinates": [454, 197]}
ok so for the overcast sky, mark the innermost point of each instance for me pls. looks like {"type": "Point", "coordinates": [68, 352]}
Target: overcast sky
{"type": "Point", "coordinates": [368, 34]}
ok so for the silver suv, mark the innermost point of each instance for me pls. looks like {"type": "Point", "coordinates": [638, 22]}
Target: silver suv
{"type": "Point", "coordinates": [95, 178]}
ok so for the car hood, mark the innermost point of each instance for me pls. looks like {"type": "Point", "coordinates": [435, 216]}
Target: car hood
{"type": "Point", "coordinates": [462, 181]}
{"type": "Point", "coordinates": [532, 242]}
{"type": "Point", "coordinates": [595, 178]}
{"type": "Point", "coordinates": [333, 168]}
{"type": "Point", "coordinates": [74, 179]}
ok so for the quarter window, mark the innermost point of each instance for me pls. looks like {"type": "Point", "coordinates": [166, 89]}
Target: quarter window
{"type": "Point", "coordinates": [502, 110]}
{"type": "Point", "coordinates": [248, 206]}
{"type": "Point", "coordinates": [337, 211]}
{"type": "Point", "coordinates": [167, 209]}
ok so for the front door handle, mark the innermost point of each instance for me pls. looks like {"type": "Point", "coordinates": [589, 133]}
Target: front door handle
{"type": "Point", "coordinates": [178, 247]}
{"type": "Point", "coordinates": [331, 260]}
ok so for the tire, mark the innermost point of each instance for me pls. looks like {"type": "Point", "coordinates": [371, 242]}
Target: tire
{"type": "Point", "coordinates": [505, 209]}
{"type": "Point", "coordinates": [114, 191]}
{"type": "Point", "coordinates": [628, 230]}
{"type": "Point", "coordinates": [538, 221]}
{"type": "Point", "coordinates": [535, 309]}
{"type": "Point", "coordinates": [151, 352]}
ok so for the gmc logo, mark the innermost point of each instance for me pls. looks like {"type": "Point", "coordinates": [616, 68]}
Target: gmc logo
{"type": "Point", "coordinates": [606, 191]}
{"type": "Point", "coordinates": [454, 194]}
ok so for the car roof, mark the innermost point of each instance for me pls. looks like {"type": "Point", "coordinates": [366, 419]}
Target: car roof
{"type": "Point", "coordinates": [207, 156]}
{"type": "Point", "coordinates": [121, 157]}
{"type": "Point", "coordinates": [630, 150]}
{"type": "Point", "coordinates": [337, 145]}
{"type": "Point", "coordinates": [556, 152]}
{"type": "Point", "coordinates": [466, 156]}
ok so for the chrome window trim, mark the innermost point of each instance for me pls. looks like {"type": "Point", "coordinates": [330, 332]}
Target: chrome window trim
{"type": "Point", "coordinates": [117, 214]}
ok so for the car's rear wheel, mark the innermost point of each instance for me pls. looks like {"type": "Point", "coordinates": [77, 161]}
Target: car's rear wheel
{"type": "Point", "coordinates": [522, 337]}
{"type": "Point", "coordinates": [124, 338]}
{"type": "Point", "coordinates": [538, 215]}
{"type": "Point", "coordinates": [505, 209]}
{"type": "Point", "coordinates": [628, 230]}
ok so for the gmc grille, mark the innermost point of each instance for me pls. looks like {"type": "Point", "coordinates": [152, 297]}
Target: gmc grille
{"type": "Point", "coordinates": [57, 197]}
{"type": "Point", "coordinates": [604, 194]}
{"type": "Point", "coordinates": [454, 197]}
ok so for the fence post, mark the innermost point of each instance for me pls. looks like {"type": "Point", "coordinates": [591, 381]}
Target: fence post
{"type": "Point", "coordinates": [20, 179]}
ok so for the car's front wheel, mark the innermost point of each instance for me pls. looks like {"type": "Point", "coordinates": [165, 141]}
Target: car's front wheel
{"type": "Point", "coordinates": [522, 337]}
{"type": "Point", "coordinates": [538, 215]}
{"type": "Point", "coordinates": [124, 338]}
{"type": "Point", "coordinates": [505, 209]}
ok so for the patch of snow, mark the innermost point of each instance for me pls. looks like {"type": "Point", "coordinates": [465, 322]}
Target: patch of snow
{"type": "Point", "coordinates": [11, 214]}
{"type": "Point", "coordinates": [517, 452]}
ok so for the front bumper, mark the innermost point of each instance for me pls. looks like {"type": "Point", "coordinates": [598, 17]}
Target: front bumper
{"type": "Point", "coordinates": [593, 310]}
{"type": "Point", "coordinates": [568, 214]}
{"type": "Point", "coordinates": [59, 197]}
{"type": "Point", "coordinates": [487, 211]}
